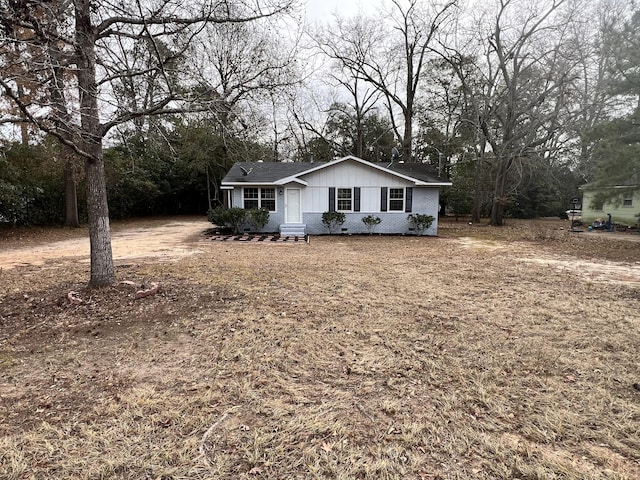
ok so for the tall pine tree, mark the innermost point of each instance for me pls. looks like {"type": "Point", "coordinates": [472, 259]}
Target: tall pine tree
{"type": "Point", "coordinates": [617, 142]}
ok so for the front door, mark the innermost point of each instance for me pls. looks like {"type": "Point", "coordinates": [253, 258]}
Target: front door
{"type": "Point", "coordinates": [292, 211]}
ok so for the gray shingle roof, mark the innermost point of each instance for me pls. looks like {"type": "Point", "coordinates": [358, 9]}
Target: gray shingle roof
{"type": "Point", "coordinates": [264, 172]}
{"type": "Point", "coordinates": [271, 172]}
{"type": "Point", "coordinates": [419, 171]}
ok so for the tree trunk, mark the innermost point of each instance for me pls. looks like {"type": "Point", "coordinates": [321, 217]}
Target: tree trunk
{"type": "Point", "coordinates": [24, 126]}
{"type": "Point", "coordinates": [478, 182]}
{"type": "Point", "coordinates": [70, 196]}
{"type": "Point", "coordinates": [499, 201]}
{"type": "Point", "coordinates": [359, 137]}
{"type": "Point", "coordinates": [206, 169]}
{"type": "Point", "coordinates": [477, 190]}
{"type": "Point", "coordinates": [102, 267]}
{"type": "Point", "coordinates": [407, 138]}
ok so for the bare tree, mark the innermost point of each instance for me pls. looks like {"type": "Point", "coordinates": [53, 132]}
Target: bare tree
{"type": "Point", "coordinates": [517, 87]}
{"type": "Point", "coordinates": [248, 68]}
{"type": "Point", "coordinates": [36, 60]}
{"type": "Point", "coordinates": [594, 99]}
{"type": "Point", "coordinates": [347, 43]}
{"type": "Point", "coordinates": [527, 82]}
{"type": "Point", "coordinates": [393, 60]}
{"type": "Point", "coordinates": [93, 31]}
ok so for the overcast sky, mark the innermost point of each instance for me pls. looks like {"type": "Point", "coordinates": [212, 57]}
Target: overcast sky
{"type": "Point", "coordinates": [323, 10]}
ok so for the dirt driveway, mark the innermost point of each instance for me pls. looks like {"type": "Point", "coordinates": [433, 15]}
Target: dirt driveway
{"type": "Point", "coordinates": [176, 237]}
{"type": "Point", "coordinates": [155, 238]}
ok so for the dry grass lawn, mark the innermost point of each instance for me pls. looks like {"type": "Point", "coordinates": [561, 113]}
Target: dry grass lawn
{"type": "Point", "coordinates": [481, 354]}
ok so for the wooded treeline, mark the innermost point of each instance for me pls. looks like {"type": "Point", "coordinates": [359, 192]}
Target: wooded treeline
{"type": "Point", "coordinates": [148, 103]}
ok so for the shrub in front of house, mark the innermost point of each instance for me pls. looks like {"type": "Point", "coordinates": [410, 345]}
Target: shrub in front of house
{"type": "Point", "coordinates": [332, 220]}
{"type": "Point", "coordinates": [371, 222]}
{"type": "Point", "coordinates": [420, 222]}
{"type": "Point", "coordinates": [257, 218]}
{"type": "Point", "coordinates": [233, 217]}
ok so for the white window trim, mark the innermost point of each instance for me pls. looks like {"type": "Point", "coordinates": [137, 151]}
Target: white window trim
{"type": "Point", "coordinates": [275, 197]}
{"type": "Point", "coordinates": [630, 199]}
{"type": "Point", "coordinates": [389, 199]}
{"type": "Point", "coordinates": [351, 199]}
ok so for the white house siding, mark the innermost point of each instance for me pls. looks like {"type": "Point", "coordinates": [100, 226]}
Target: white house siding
{"type": "Point", "coordinates": [425, 201]}
{"type": "Point", "coordinates": [348, 175]}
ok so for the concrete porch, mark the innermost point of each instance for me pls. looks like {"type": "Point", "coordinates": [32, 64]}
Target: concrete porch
{"type": "Point", "coordinates": [292, 230]}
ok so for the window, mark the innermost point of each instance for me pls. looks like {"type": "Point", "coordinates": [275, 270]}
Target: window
{"type": "Point", "coordinates": [268, 199]}
{"type": "Point", "coordinates": [396, 199]}
{"type": "Point", "coordinates": [345, 197]}
{"type": "Point", "coordinates": [627, 202]}
{"type": "Point", "coordinates": [599, 206]}
{"type": "Point", "coordinates": [251, 198]}
{"type": "Point", "coordinates": [260, 198]}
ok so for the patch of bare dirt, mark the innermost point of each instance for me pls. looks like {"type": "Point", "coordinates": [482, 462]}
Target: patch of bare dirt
{"type": "Point", "coordinates": [604, 271]}
{"type": "Point", "coordinates": [153, 238]}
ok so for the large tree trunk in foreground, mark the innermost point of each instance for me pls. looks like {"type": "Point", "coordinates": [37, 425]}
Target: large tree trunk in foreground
{"type": "Point", "coordinates": [102, 267]}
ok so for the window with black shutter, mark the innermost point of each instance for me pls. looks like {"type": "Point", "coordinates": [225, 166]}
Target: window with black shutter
{"type": "Point", "coordinates": [345, 199]}
{"type": "Point", "coordinates": [396, 199]}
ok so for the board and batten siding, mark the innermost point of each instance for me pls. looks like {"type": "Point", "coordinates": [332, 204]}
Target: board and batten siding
{"type": "Point", "coordinates": [352, 174]}
{"type": "Point", "coordinates": [348, 175]}
{"type": "Point", "coordinates": [371, 183]}
{"type": "Point", "coordinates": [425, 200]}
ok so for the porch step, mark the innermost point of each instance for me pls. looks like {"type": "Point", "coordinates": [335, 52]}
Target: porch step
{"type": "Point", "coordinates": [292, 230]}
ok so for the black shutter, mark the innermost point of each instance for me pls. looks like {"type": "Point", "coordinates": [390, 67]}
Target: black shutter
{"type": "Point", "coordinates": [356, 199]}
{"type": "Point", "coordinates": [332, 199]}
{"type": "Point", "coordinates": [383, 199]}
{"type": "Point", "coordinates": [408, 202]}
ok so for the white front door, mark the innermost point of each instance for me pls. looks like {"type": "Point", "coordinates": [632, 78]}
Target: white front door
{"type": "Point", "coordinates": [292, 205]}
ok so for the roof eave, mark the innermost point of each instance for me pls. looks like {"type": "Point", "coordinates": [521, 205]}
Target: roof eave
{"type": "Point", "coordinates": [602, 187]}
{"type": "Point", "coordinates": [229, 185]}
{"type": "Point", "coordinates": [434, 184]}
{"type": "Point", "coordinates": [292, 179]}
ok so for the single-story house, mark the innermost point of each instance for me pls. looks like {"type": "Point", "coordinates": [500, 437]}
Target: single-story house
{"type": "Point", "coordinates": [623, 204]}
{"type": "Point", "coordinates": [297, 194]}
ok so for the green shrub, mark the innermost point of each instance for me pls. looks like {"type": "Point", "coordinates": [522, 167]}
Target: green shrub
{"type": "Point", "coordinates": [333, 220]}
{"type": "Point", "coordinates": [233, 217]}
{"type": "Point", "coordinates": [371, 222]}
{"type": "Point", "coordinates": [420, 222]}
{"type": "Point", "coordinates": [257, 218]}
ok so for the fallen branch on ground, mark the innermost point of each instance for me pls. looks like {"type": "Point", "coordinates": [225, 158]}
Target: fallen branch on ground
{"type": "Point", "coordinates": [149, 291]}
{"type": "Point", "coordinates": [74, 299]}
{"type": "Point", "coordinates": [206, 435]}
